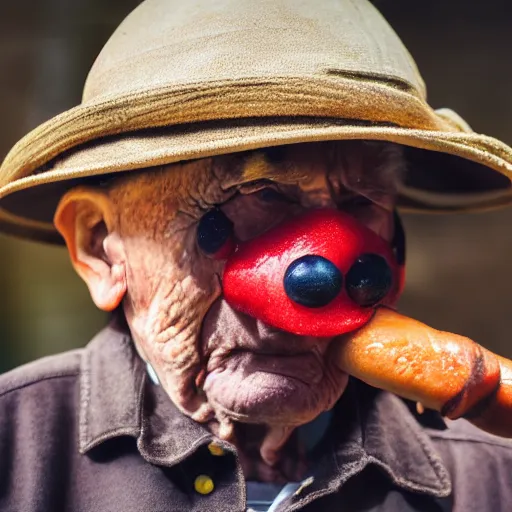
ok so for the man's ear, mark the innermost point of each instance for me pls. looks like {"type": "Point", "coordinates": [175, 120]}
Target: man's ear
{"type": "Point", "coordinates": [84, 218]}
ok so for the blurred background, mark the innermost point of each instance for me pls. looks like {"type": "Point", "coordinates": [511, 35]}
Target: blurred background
{"type": "Point", "coordinates": [459, 276]}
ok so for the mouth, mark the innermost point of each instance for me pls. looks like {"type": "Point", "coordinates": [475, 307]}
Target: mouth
{"type": "Point", "coordinates": [254, 373]}
{"type": "Point", "coordinates": [305, 367]}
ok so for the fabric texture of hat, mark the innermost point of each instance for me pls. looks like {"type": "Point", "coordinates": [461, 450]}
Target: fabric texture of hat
{"type": "Point", "coordinates": [185, 80]}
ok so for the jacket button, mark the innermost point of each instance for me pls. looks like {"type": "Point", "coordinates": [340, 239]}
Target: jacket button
{"type": "Point", "coordinates": [215, 449]}
{"type": "Point", "coordinates": [203, 484]}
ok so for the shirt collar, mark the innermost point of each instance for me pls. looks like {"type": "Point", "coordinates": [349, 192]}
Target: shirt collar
{"type": "Point", "coordinates": [117, 398]}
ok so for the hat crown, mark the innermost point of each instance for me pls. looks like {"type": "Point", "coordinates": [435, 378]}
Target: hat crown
{"type": "Point", "coordinates": [171, 42]}
{"type": "Point", "coordinates": [182, 80]}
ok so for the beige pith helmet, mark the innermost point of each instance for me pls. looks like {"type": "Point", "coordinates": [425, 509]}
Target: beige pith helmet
{"type": "Point", "coordinates": [184, 80]}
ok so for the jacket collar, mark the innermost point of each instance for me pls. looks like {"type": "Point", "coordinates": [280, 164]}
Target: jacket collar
{"type": "Point", "coordinates": [111, 389]}
{"type": "Point", "coordinates": [377, 427]}
{"type": "Point", "coordinates": [117, 398]}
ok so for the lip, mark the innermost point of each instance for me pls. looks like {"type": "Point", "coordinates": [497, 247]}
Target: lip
{"type": "Point", "coordinates": [305, 367]}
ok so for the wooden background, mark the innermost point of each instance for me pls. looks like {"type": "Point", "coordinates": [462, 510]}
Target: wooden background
{"type": "Point", "coordinates": [458, 272]}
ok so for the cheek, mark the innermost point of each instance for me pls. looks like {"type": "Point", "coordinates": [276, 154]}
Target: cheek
{"type": "Point", "coordinates": [170, 288]}
{"type": "Point", "coordinates": [167, 323]}
{"type": "Point", "coordinates": [145, 265]}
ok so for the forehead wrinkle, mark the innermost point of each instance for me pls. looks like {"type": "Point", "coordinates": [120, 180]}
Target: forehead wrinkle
{"type": "Point", "coordinates": [152, 198]}
{"type": "Point", "coordinates": [147, 201]}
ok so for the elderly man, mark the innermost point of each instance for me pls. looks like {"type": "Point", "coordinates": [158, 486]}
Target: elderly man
{"type": "Point", "coordinates": [214, 138]}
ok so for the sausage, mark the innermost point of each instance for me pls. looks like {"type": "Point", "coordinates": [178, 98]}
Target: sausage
{"type": "Point", "coordinates": [443, 371]}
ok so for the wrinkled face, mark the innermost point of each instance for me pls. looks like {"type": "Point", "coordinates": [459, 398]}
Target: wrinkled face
{"type": "Point", "coordinates": [217, 364]}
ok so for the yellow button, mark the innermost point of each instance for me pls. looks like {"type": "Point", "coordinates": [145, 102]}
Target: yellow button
{"type": "Point", "coordinates": [204, 484]}
{"type": "Point", "coordinates": [215, 449]}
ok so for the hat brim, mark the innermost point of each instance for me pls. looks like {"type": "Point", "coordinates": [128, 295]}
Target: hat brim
{"type": "Point", "coordinates": [448, 170]}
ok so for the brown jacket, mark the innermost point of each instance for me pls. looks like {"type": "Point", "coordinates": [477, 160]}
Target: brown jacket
{"type": "Point", "coordinates": [88, 431]}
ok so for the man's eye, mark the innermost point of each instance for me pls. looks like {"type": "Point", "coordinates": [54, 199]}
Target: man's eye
{"type": "Point", "coordinates": [215, 234]}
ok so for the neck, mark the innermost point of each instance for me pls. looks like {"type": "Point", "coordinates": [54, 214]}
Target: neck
{"type": "Point", "coordinates": [290, 464]}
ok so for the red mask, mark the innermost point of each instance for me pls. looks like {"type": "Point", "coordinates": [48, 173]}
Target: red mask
{"type": "Point", "coordinates": [320, 274]}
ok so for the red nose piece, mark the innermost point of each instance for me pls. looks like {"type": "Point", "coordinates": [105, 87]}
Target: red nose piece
{"type": "Point", "coordinates": [320, 274]}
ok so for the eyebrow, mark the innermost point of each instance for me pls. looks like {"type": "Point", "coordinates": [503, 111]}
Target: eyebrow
{"type": "Point", "coordinates": [257, 167]}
